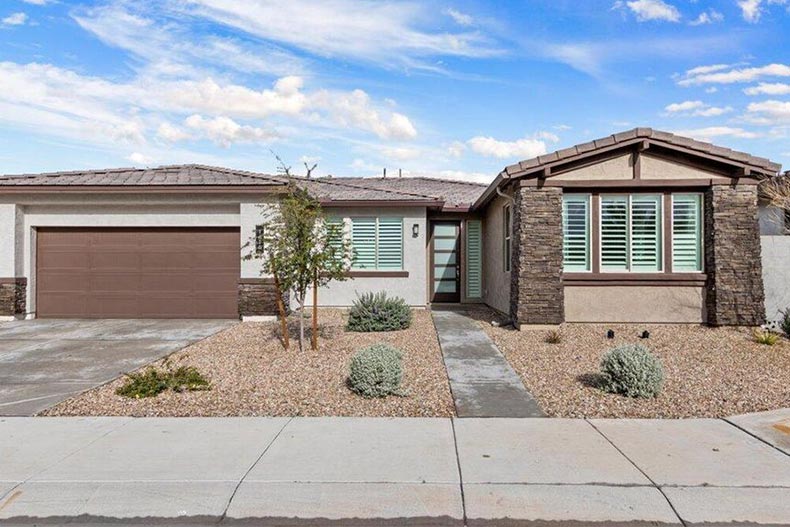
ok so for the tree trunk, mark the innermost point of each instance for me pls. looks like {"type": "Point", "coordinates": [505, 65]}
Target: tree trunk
{"type": "Point", "coordinates": [281, 309]}
{"type": "Point", "coordinates": [301, 323]}
{"type": "Point", "coordinates": [314, 336]}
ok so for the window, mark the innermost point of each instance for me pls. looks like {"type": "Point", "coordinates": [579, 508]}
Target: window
{"type": "Point", "coordinates": [631, 233]}
{"type": "Point", "coordinates": [336, 228]}
{"type": "Point", "coordinates": [687, 232]}
{"type": "Point", "coordinates": [576, 232]}
{"type": "Point", "coordinates": [377, 243]}
{"type": "Point", "coordinates": [474, 258]}
{"type": "Point", "coordinates": [507, 232]}
{"type": "Point", "coordinates": [259, 242]}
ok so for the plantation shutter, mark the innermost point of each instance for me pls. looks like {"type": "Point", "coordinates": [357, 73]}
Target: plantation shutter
{"type": "Point", "coordinates": [576, 233]}
{"type": "Point", "coordinates": [686, 232]}
{"type": "Point", "coordinates": [390, 243]}
{"type": "Point", "coordinates": [614, 233]}
{"type": "Point", "coordinates": [645, 233]}
{"type": "Point", "coordinates": [336, 229]}
{"type": "Point", "coordinates": [474, 259]}
{"type": "Point", "coordinates": [363, 242]}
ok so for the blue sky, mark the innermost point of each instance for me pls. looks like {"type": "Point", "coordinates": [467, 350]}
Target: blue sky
{"type": "Point", "coordinates": [450, 89]}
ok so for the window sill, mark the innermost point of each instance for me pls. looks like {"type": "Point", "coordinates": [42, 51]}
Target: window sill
{"type": "Point", "coordinates": [377, 274]}
{"type": "Point", "coordinates": [689, 279]}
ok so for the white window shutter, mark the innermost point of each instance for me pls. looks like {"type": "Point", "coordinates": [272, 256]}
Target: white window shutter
{"type": "Point", "coordinates": [576, 232]}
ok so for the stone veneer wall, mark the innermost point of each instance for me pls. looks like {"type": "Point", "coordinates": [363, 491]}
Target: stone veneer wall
{"type": "Point", "coordinates": [257, 297]}
{"type": "Point", "coordinates": [537, 293]}
{"type": "Point", "coordinates": [735, 293]}
{"type": "Point", "coordinates": [12, 296]}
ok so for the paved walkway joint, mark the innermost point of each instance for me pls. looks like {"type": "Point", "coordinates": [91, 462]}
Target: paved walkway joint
{"type": "Point", "coordinates": [482, 381]}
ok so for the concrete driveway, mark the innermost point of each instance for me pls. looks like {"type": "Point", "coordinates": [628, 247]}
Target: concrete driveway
{"type": "Point", "coordinates": [43, 362]}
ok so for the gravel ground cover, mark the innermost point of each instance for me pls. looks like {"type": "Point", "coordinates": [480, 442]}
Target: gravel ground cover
{"type": "Point", "coordinates": [709, 372]}
{"type": "Point", "coordinates": [252, 375]}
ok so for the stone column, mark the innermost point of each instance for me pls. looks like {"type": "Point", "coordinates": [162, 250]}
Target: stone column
{"type": "Point", "coordinates": [536, 291]}
{"type": "Point", "coordinates": [13, 293]}
{"type": "Point", "coordinates": [735, 295]}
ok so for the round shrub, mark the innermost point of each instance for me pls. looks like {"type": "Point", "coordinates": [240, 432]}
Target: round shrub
{"type": "Point", "coordinates": [377, 312]}
{"type": "Point", "coordinates": [376, 371]}
{"type": "Point", "coordinates": [633, 371]}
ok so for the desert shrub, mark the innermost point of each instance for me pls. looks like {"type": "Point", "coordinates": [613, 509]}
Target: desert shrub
{"type": "Point", "coordinates": [376, 371]}
{"type": "Point", "coordinates": [553, 337]}
{"type": "Point", "coordinates": [765, 336]}
{"type": "Point", "coordinates": [784, 322]}
{"type": "Point", "coordinates": [377, 312]}
{"type": "Point", "coordinates": [151, 382]}
{"type": "Point", "coordinates": [632, 370]}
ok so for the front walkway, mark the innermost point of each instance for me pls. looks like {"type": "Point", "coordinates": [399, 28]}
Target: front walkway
{"type": "Point", "coordinates": [374, 471]}
{"type": "Point", "coordinates": [482, 381]}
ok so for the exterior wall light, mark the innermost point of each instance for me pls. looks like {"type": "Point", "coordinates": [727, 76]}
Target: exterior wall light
{"type": "Point", "coordinates": [415, 230]}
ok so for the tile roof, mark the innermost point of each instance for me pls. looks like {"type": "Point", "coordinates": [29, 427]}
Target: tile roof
{"type": "Point", "coordinates": [453, 193]}
{"type": "Point", "coordinates": [172, 175]}
{"type": "Point", "coordinates": [702, 147]}
{"type": "Point", "coordinates": [338, 189]}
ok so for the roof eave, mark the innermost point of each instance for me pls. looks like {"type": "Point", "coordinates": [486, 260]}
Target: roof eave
{"type": "Point", "coordinates": [143, 189]}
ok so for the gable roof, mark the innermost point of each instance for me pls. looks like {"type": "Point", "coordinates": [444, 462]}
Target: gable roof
{"type": "Point", "coordinates": [537, 166]}
{"type": "Point", "coordinates": [338, 191]}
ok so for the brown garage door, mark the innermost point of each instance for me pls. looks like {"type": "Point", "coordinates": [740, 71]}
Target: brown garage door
{"type": "Point", "coordinates": [137, 273]}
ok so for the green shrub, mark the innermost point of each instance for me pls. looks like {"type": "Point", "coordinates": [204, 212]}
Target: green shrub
{"type": "Point", "coordinates": [765, 336]}
{"type": "Point", "coordinates": [377, 312]}
{"type": "Point", "coordinates": [633, 371]}
{"type": "Point", "coordinates": [784, 323]}
{"type": "Point", "coordinates": [376, 371]}
{"type": "Point", "coordinates": [151, 382]}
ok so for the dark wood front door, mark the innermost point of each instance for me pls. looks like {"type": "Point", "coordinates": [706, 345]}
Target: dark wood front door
{"type": "Point", "coordinates": [137, 272]}
{"type": "Point", "coordinates": [445, 261]}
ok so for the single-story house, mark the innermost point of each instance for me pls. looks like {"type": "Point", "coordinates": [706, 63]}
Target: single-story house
{"type": "Point", "coordinates": [640, 226]}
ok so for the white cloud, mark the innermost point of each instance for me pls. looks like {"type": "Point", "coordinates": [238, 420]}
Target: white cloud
{"type": "Point", "coordinates": [401, 153]}
{"type": "Point", "coordinates": [171, 133]}
{"type": "Point", "coordinates": [706, 75]}
{"type": "Point", "coordinates": [93, 103]}
{"type": "Point", "coordinates": [456, 149]}
{"type": "Point", "coordinates": [711, 132]}
{"type": "Point", "coordinates": [38, 2]}
{"type": "Point", "coordinates": [702, 70]}
{"type": "Point", "coordinates": [752, 10]}
{"type": "Point", "coordinates": [767, 88]}
{"type": "Point", "coordinates": [462, 19]}
{"type": "Point", "coordinates": [696, 109]}
{"type": "Point", "coordinates": [519, 149]}
{"type": "Point", "coordinates": [455, 175]}
{"type": "Point", "coordinates": [646, 10]}
{"type": "Point", "coordinates": [386, 33]}
{"type": "Point", "coordinates": [707, 17]}
{"type": "Point", "coordinates": [711, 89]}
{"type": "Point", "coordinates": [769, 112]}
{"type": "Point", "coordinates": [15, 19]}
{"type": "Point", "coordinates": [140, 159]}
{"type": "Point", "coordinates": [225, 131]}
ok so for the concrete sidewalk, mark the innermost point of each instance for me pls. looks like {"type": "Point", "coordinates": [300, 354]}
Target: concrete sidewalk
{"type": "Point", "coordinates": [363, 471]}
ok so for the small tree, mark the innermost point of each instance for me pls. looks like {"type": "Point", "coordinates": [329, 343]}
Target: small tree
{"type": "Point", "coordinates": [776, 192]}
{"type": "Point", "coordinates": [303, 251]}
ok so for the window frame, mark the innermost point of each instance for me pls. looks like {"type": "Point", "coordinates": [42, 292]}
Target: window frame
{"type": "Point", "coordinates": [630, 231]}
{"type": "Point", "coordinates": [507, 236]}
{"type": "Point", "coordinates": [588, 198]}
{"type": "Point", "coordinates": [349, 232]}
{"type": "Point", "coordinates": [260, 241]}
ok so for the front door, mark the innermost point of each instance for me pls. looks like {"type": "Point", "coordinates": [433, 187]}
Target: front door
{"type": "Point", "coordinates": [445, 261]}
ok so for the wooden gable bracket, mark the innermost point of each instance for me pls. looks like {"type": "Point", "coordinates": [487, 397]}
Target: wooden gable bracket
{"type": "Point", "coordinates": [641, 147]}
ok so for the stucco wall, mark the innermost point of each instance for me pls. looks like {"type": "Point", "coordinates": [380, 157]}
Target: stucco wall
{"type": "Point", "coordinates": [660, 168]}
{"type": "Point", "coordinates": [661, 304]}
{"type": "Point", "coordinates": [620, 167]}
{"type": "Point", "coordinates": [776, 274]}
{"type": "Point", "coordinates": [496, 281]}
{"type": "Point", "coordinates": [413, 288]}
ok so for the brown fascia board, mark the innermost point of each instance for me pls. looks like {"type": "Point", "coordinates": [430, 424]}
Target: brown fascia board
{"type": "Point", "coordinates": [143, 189]}
{"type": "Point", "coordinates": [490, 191]}
{"type": "Point", "coordinates": [437, 204]}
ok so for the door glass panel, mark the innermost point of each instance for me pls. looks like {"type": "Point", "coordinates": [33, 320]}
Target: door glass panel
{"type": "Point", "coordinates": [445, 230]}
{"type": "Point", "coordinates": [444, 286]}
{"type": "Point", "coordinates": [445, 273]}
{"type": "Point", "coordinates": [444, 258]}
{"type": "Point", "coordinates": [444, 244]}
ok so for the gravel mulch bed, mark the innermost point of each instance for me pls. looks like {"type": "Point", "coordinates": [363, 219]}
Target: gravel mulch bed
{"type": "Point", "coordinates": [709, 372]}
{"type": "Point", "coordinates": [252, 375]}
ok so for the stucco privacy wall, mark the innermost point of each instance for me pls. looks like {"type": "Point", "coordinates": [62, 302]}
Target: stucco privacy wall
{"type": "Point", "coordinates": [496, 281]}
{"type": "Point", "coordinates": [776, 274]}
{"type": "Point", "coordinates": [143, 210]}
{"type": "Point", "coordinates": [413, 289]}
{"type": "Point", "coordinates": [660, 304]}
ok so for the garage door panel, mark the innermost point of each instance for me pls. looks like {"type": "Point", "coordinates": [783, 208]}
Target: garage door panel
{"type": "Point", "coordinates": [138, 273]}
